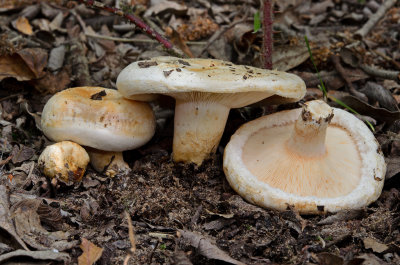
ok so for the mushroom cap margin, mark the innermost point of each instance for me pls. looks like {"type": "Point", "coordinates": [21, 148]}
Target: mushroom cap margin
{"type": "Point", "coordinates": [248, 186]}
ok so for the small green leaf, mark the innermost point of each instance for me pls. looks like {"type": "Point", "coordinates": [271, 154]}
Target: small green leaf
{"type": "Point", "coordinates": [257, 22]}
{"type": "Point", "coordinates": [163, 246]}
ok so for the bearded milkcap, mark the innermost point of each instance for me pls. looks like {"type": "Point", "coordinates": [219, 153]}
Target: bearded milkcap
{"type": "Point", "coordinates": [317, 159]}
{"type": "Point", "coordinates": [99, 118]}
{"type": "Point", "coordinates": [205, 90]}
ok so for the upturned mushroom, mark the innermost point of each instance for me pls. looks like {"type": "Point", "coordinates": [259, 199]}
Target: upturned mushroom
{"type": "Point", "coordinates": [205, 90]}
{"type": "Point", "coordinates": [102, 119]}
{"type": "Point", "coordinates": [65, 161]}
{"type": "Point", "coordinates": [318, 159]}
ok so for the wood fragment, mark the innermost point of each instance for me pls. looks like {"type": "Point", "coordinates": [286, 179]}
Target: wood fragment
{"type": "Point", "coordinates": [373, 20]}
{"type": "Point", "coordinates": [381, 73]}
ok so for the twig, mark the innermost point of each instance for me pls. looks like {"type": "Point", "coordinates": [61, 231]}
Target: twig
{"type": "Point", "coordinates": [131, 239]}
{"type": "Point", "coordinates": [220, 32]}
{"type": "Point", "coordinates": [97, 36]}
{"type": "Point", "coordinates": [5, 161]}
{"type": "Point", "coordinates": [13, 96]}
{"type": "Point", "coordinates": [267, 34]}
{"type": "Point", "coordinates": [342, 72]}
{"type": "Point", "coordinates": [387, 58]}
{"type": "Point", "coordinates": [382, 73]}
{"type": "Point", "coordinates": [362, 32]}
{"type": "Point", "coordinates": [138, 22]}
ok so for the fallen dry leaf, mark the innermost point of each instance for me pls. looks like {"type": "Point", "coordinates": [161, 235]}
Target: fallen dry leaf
{"type": "Point", "coordinates": [326, 258]}
{"type": "Point", "coordinates": [371, 243]}
{"type": "Point", "coordinates": [23, 26]}
{"type": "Point", "coordinates": [26, 64]}
{"type": "Point", "coordinates": [286, 57]}
{"type": "Point", "coordinates": [206, 248]}
{"type": "Point", "coordinates": [37, 255]}
{"type": "Point", "coordinates": [91, 253]}
{"type": "Point", "coordinates": [5, 221]}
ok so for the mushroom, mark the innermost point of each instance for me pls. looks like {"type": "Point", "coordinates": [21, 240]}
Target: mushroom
{"type": "Point", "coordinates": [205, 90]}
{"type": "Point", "coordinates": [102, 119]}
{"type": "Point", "coordinates": [318, 159]}
{"type": "Point", "coordinates": [65, 161]}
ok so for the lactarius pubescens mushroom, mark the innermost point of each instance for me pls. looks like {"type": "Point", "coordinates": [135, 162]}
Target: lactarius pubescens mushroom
{"type": "Point", "coordinates": [205, 90]}
{"type": "Point", "coordinates": [102, 119]}
{"type": "Point", "coordinates": [65, 161]}
{"type": "Point", "coordinates": [318, 159]}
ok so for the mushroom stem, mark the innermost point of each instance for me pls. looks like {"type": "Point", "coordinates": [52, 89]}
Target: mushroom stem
{"type": "Point", "coordinates": [108, 163]}
{"type": "Point", "coordinates": [308, 136]}
{"type": "Point", "coordinates": [198, 128]}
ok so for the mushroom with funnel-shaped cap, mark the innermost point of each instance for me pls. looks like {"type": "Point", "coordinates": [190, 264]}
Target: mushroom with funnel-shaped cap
{"type": "Point", "coordinates": [318, 159]}
{"type": "Point", "coordinates": [205, 90]}
{"type": "Point", "coordinates": [65, 161]}
{"type": "Point", "coordinates": [99, 118]}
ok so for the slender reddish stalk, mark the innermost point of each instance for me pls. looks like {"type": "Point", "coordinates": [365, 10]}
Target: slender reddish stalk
{"type": "Point", "coordinates": [135, 20]}
{"type": "Point", "coordinates": [267, 34]}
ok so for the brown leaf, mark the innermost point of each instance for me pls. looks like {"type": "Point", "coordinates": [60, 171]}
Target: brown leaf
{"type": "Point", "coordinates": [5, 221]}
{"type": "Point", "coordinates": [393, 166]}
{"type": "Point", "coordinates": [286, 57]}
{"type": "Point", "coordinates": [178, 41]}
{"type": "Point", "coordinates": [325, 258]}
{"type": "Point", "coordinates": [35, 59]}
{"type": "Point", "coordinates": [44, 255]}
{"type": "Point", "coordinates": [21, 153]}
{"type": "Point", "coordinates": [371, 259]}
{"type": "Point", "coordinates": [14, 66]}
{"type": "Point", "coordinates": [52, 83]}
{"type": "Point", "coordinates": [28, 226]}
{"type": "Point", "coordinates": [206, 248]}
{"type": "Point", "coordinates": [163, 7]}
{"type": "Point", "coordinates": [364, 108]}
{"type": "Point", "coordinates": [377, 93]}
{"type": "Point", "coordinates": [91, 253]}
{"type": "Point", "coordinates": [23, 26]}
{"type": "Point", "coordinates": [377, 247]}
{"type": "Point", "coordinates": [180, 258]}
{"type": "Point", "coordinates": [342, 216]}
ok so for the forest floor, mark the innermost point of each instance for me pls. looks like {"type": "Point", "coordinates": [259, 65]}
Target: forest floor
{"type": "Point", "coordinates": [183, 214]}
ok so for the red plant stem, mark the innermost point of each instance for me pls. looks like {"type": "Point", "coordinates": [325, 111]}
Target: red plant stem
{"type": "Point", "coordinates": [135, 20]}
{"type": "Point", "coordinates": [267, 34]}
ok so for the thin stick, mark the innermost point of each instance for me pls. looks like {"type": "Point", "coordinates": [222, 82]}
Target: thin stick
{"type": "Point", "coordinates": [131, 239]}
{"type": "Point", "coordinates": [97, 36]}
{"type": "Point", "coordinates": [382, 73]}
{"type": "Point", "coordinates": [135, 20]}
{"type": "Point", "coordinates": [267, 34]}
{"type": "Point", "coordinates": [373, 20]}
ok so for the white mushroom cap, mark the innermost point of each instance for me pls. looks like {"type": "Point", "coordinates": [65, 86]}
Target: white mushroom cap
{"type": "Point", "coordinates": [205, 90]}
{"type": "Point", "coordinates": [297, 158]}
{"type": "Point", "coordinates": [169, 75]}
{"type": "Point", "coordinates": [65, 161]}
{"type": "Point", "coordinates": [98, 117]}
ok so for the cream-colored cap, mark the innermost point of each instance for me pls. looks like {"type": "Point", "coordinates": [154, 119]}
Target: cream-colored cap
{"type": "Point", "coordinates": [205, 90]}
{"type": "Point", "coordinates": [317, 159]}
{"type": "Point", "coordinates": [98, 117]}
{"type": "Point", "coordinates": [174, 76]}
